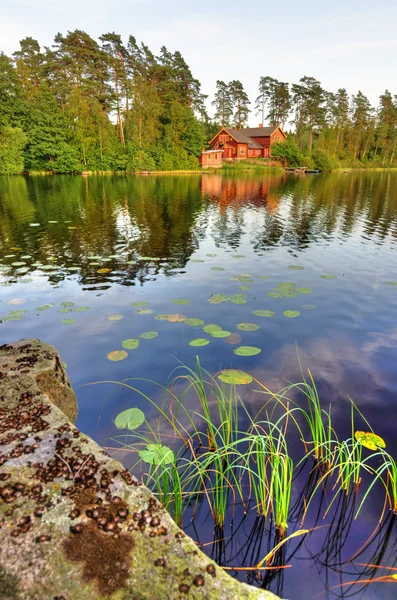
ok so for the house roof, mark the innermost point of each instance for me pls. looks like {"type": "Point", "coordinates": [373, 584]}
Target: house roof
{"type": "Point", "coordinates": [239, 136]}
{"type": "Point", "coordinates": [260, 131]}
{"type": "Point", "coordinates": [212, 151]}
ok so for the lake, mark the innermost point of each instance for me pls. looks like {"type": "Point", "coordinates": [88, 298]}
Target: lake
{"type": "Point", "coordinates": [88, 262]}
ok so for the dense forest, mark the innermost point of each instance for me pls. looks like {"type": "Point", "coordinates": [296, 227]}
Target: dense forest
{"type": "Point", "coordinates": [87, 105]}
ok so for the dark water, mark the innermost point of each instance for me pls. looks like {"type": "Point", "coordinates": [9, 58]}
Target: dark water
{"type": "Point", "coordinates": [341, 225]}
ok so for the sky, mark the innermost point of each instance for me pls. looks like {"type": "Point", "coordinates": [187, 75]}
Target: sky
{"type": "Point", "coordinates": [343, 43]}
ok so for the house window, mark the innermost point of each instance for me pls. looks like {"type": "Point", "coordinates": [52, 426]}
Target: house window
{"type": "Point", "coordinates": [242, 150]}
{"type": "Point", "coordinates": [234, 150]}
{"type": "Point", "coordinates": [216, 157]}
{"type": "Point", "coordinates": [277, 138]}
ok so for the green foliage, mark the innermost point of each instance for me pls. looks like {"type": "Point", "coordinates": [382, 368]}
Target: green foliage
{"type": "Point", "coordinates": [324, 162]}
{"type": "Point", "coordinates": [289, 153]}
{"type": "Point", "coordinates": [12, 143]}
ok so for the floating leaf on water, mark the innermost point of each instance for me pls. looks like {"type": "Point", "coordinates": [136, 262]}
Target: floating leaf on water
{"type": "Point", "coordinates": [238, 255]}
{"type": "Point", "coordinates": [143, 311]}
{"type": "Point", "coordinates": [244, 287]}
{"type": "Point", "coordinates": [303, 290]}
{"type": "Point", "coordinates": [71, 227]}
{"type": "Point", "coordinates": [221, 334]}
{"type": "Point", "coordinates": [309, 306]}
{"type": "Point", "coordinates": [295, 268]}
{"type": "Point", "coordinates": [44, 306]}
{"type": "Point", "coordinates": [106, 259]}
{"type": "Point", "coordinates": [12, 317]}
{"type": "Point", "coordinates": [130, 344]}
{"type": "Point", "coordinates": [291, 314]}
{"type": "Point", "coordinates": [156, 454]}
{"type": "Point", "coordinates": [193, 322]}
{"type": "Point", "coordinates": [391, 282]}
{"type": "Point", "coordinates": [53, 221]}
{"type": "Point", "coordinates": [233, 339]}
{"type": "Point", "coordinates": [68, 321]}
{"type": "Point", "coordinates": [263, 276]}
{"type": "Point", "coordinates": [34, 224]}
{"type": "Point", "coordinates": [48, 267]}
{"type": "Point", "coordinates": [26, 257]}
{"type": "Point", "coordinates": [117, 355]}
{"type": "Point", "coordinates": [217, 269]}
{"type": "Point", "coordinates": [218, 298]}
{"type": "Point", "coordinates": [25, 280]}
{"type": "Point", "coordinates": [16, 301]}
{"type": "Point", "coordinates": [162, 317]}
{"type": "Point", "coordinates": [18, 264]}
{"type": "Point", "coordinates": [247, 351]}
{"type": "Point", "coordinates": [53, 258]}
{"type": "Point", "coordinates": [139, 303]}
{"type": "Point", "coordinates": [68, 304]}
{"type": "Point", "coordinates": [211, 255]}
{"type": "Point", "coordinates": [285, 285]}
{"type": "Point", "coordinates": [328, 276]}
{"type": "Point", "coordinates": [199, 342]}
{"type": "Point", "coordinates": [132, 262]}
{"type": "Point", "coordinates": [9, 256]}
{"type": "Point", "coordinates": [64, 310]}
{"type": "Point", "coordinates": [181, 301]}
{"type": "Point", "coordinates": [250, 326]}
{"type": "Point", "coordinates": [104, 270]}
{"type": "Point", "coordinates": [95, 257]}
{"type": "Point", "coordinates": [234, 377]}
{"type": "Point", "coordinates": [16, 248]}
{"type": "Point", "coordinates": [211, 328]}
{"type": "Point", "coordinates": [263, 313]}
{"type": "Point", "coordinates": [177, 318]}
{"type": "Point", "coordinates": [370, 440]}
{"type": "Point", "coordinates": [244, 278]}
{"type": "Point", "coordinates": [81, 308]}
{"type": "Point", "coordinates": [115, 317]}
{"type": "Point", "coordinates": [131, 419]}
{"type": "Point", "coordinates": [239, 299]}
{"type": "Point", "coordinates": [72, 269]}
{"type": "Point", "coordinates": [22, 271]}
{"type": "Point", "coordinates": [197, 260]}
{"type": "Point", "coordinates": [149, 335]}
{"type": "Point", "coordinates": [67, 221]}
{"type": "Point", "coordinates": [275, 294]}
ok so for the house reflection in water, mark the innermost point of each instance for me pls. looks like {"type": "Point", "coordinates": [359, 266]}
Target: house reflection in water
{"type": "Point", "coordinates": [257, 191]}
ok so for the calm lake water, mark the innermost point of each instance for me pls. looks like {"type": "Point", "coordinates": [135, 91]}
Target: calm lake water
{"type": "Point", "coordinates": [167, 238]}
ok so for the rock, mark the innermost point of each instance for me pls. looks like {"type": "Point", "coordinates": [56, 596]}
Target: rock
{"type": "Point", "coordinates": [74, 524]}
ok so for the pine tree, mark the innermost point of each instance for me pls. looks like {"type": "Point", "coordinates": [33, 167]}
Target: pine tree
{"type": "Point", "coordinates": [223, 104]}
{"type": "Point", "coordinates": [240, 103]}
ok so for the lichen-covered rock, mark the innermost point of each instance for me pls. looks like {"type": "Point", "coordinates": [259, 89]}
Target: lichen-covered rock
{"type": "Point", "coordinates": [74, 524]}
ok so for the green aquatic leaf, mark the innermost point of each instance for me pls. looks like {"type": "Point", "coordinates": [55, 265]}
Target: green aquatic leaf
{"type": "Point", "coordinates": [149, 335]}
{"type": "Point", "coordinates": [115, 317]}
{"type": "Point", "coordinates": [72, 269]}
{"type": "Point", "coordinates": [263, 276]}
{"type": "Point", "coordinates": [64, 310]}
{"type": "Point", "coordinates": [370, 440]}
{"type": "Point", "coordinates": [285, 285]}
{"type": "Point", "coordinates": [263, 313]}
{"type": "Point", "coordinates": [197, 260]}
{"type": "Point", "coordinates": [18, 263]}
{"type": "Point", "coordinates": [250, 326]}
{"type": "Point", "coordinates": [193, 322]}
{"type": "Point", "coordinates": [81, 308]}
{"type": "Point", "coordinates": [181, 301]}
{"type": "Point", "coordinates": [67, 321]}
{"type": "Point", "coordinates": [156, 454]}
{"type": "Point", "coordinates": [53, 221]}
{"type": "Point", "coordinates": [295, 268]}
{"type": "Point", "coordinates": [211, 328]}
{"type": "Point", "coordinates": [217, 269]}
{"type": "Point", "coordinates": [303, 290]}
{"type": "Point", "coordinates": [291, 314]}
{"type": "Point", "coordinates": [309, 306]}
{"type": "Point", "coordinates": [177, 318]}
{"type": "Point", "coordinates": [391, 282]}
{"type": "Point", "coordinates": [131, 419]}
{"type": "Point", "coordinates": [26, 257]}
{"type": "Point", "coordinates": [212, 255]}
{"type": "Point", "coordinates": [238, 255]}
{"type": "Point", "coordinates": [44, 307]}
{"type": "Point", "coordinates": [25, 280]}
{"type": "Point", "coordinates": [117, 355]}
{"type": "Point", "coordinates": [234, 377]}
{"type": "Point", "coordinates": [198, 342]}
{"type": "Point", "coordinates": [328, 276]}
{"type": "Point", "coordinates": [218, 298]}
{"type": "Point", "coordinates": [244, 278]}
{"type": "Point", "coordinates": [34, 224]}
{"type": "Point", "coordinates": [139, 303]}
{"type": "Point", "coordinates": [275, 294]}
{"type": "Point", "coordinates": [162, 317]}
{"type": "Point", "coordinates": [221, 334]}
{"type": "Point", "coordinates": [131, 262]}
{"type": "Point", "coordinates": [67, 304]}
{"type": "Point", "coordinates": [247, 351]}
{"type": "Point", "coordinates": [143, 311]}
{"type": "Point", "coordinates": [244, 287]}
{"type": "Point", "coordinates": [130, 344]}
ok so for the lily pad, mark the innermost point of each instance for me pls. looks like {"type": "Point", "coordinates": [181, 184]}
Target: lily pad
{"type": "Point", "coordinates": [249, 326]}
{"type": "Point", "coordinates": [391, 283]}
{"type": "Point", "coordinates": [34, 224]}
{"type": "Point", "coordinates": [53, 221]}
{"type": "Point", "coordinates": [44, 307]}
{"type": "Point", "coordinates": [263, 276]}
{"type": "Point", "coordinates": [81, 308]}
{"type": "Point", "coordinates": [139, 303]}
{"type": "Point", "coordinates": [115, 317]}
{"type": "Point", "coordinates": [64, 310]}
{"type": "Point", "coordinates": [309, 306]}
{"type": "Point", "coordinates": [244, 287]}
{"type": "Point", "coordinates": [177, 318]}
{"type": "Point", "coordinates": [291, 314]}
{"type": "Point", "coordinates": [199, 342]}
{"type": "Point", "coordinates": [275, 294]}
{"type": "Point", "coordinates": [247, 351]}
{"type": "Point", "coordinates": [149, 335]}
{"type": "Point", "coordinates": [67, 321]}
{"type": "Point", "coordinates": [295, 268]}
{"type": "Point", "coordinates": [72, 269]}
{"type": "Point", "coordinates": [16, 301]}
{"type": "Point", "coordinates": [234, 377]}
{"type": "Point", "coordinates": [18, 263]}
{"type": "Point", "coordinates": [217, 269]}
{"type": "Point", "coordinates": [303, 290]}
{"type": "Point", "coordinates": [131, 262]}
{"type": "Point", "coordinates": [130, 344]}
{"type": "Point", "coordinates": [221, 334]}
{"type": "Point", "coordinates": [263, 313]}
{"type": "Point", "coordinates": [212, 255]}
{"type": "Point", "coordinates": [193, 322]}
{"type": "Point", "coordinates": [181, 301]}
{"type": "Point", "coordinates": [67, 304]}
{"type": "Point", "coordinates": [218, 298]}
{"type": "Point", "coordinates": [238, 255]}
{"type": "Point", "coordinates": [197, 260]}
{"type": "Point", "coordinates": [328, 276]}
{"type": "Point", "coordinates": [156, 454]}
{"type": "Point", "coordinates": [239, 299]}
{"type": "Point", "coordinates": [131, 419]}
{"type": "Point", "coordinates": [143, 311]}
{"type": "Point", "coordinates": [162, 317]}
{"type": "Point", "coordinates": [26, 257]}
{"type": "Point", "coordinates": [370, 440]}
{"type": "Point", "coordinates": [104, 270]}
{"type": "Point", "coordinates": [211, 328]}
{"type": "Point", "coordinates": [117, 355]}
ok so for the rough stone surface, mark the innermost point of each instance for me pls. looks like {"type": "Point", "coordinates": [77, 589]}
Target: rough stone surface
{"type": "Point", "coordinates": [74, 524]}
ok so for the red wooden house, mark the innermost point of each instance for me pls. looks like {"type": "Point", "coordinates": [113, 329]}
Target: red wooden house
{"type": "Point", "coordinates": [251, 142]}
